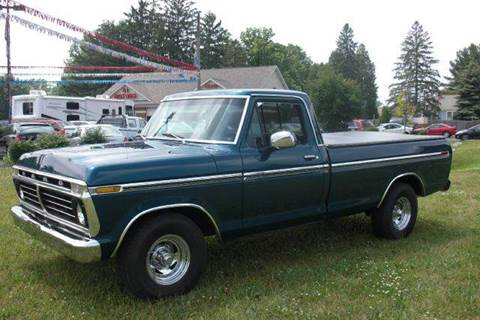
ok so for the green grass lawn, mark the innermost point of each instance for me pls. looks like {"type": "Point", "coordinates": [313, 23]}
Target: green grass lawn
{"type": "Point", "coordinates": [330, 270]}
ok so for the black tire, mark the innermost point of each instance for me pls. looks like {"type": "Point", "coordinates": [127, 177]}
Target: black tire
{"type": "Point", "coordinates": [446, 134]}
{"type": "Point", "coordinates": [386, 223]}
{"type": "Point", "coordinates": [132, 256]}
{"type": "Point", "coordinates": [465, 137]}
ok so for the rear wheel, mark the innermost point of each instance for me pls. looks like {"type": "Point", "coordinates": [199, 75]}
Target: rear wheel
{"type": "Point", "coordinates": [465, 137]}
{"type": "Point", "coordinates": [164, 256]}
{"type": "Point", "coordinates": [397, 215]}
{"type": "Point", "coordinates": [446, 134]}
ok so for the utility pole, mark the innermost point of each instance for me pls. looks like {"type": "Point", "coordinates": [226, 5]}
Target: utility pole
{"type": "Point", "coordinates": [9, 67]}
{"type": "Point", "coordinates": [197, 52]}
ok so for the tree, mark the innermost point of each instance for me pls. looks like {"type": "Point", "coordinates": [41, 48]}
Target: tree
{"type": "Point", "coordinates": [464, 58]}
{"type": "Point", "coordinates": [337, 100]}
{"type": "Point", "coordinates": [181, 26]}
{"type": "Point", "coordinates": [415, 74]}
{"type": "Point", "coordinates": [469, 92]}
{"type": "Point", "coordinates": [403, 108]}
{"type": "Point", "coordinates": [214, 40]}
{"type": "Point", "coordinates": [259, 46]}
{"type": "Point", "coordinates": [366, 80]}
{"type": "Point", "coordinates": [235, 54]}
{"type": "Point", "coordinates": [386, 114]}
{"type": "Point", "coordinates": [344, 57]}
{"type": "Point", "coordinates": [353, 61]}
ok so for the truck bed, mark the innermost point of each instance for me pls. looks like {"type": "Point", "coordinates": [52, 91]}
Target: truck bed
{"type": "Point", "coordinates": [357, 138]}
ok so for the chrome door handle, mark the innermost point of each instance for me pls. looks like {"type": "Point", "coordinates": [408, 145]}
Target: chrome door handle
{"type": "Point", "coordinates": [310, 157]}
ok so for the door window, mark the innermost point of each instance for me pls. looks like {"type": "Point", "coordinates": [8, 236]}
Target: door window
{"type": "Point", "coordinates": [271, 117]}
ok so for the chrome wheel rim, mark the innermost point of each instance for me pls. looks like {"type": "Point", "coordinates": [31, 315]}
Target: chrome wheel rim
{"type": "Point", "coordinates": [168, 259]}
{"type": "Point", "coordinates": [402, 213]}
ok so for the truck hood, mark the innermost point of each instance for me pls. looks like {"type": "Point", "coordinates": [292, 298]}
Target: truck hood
{"type": "Point", "coordinates": [123, 162]}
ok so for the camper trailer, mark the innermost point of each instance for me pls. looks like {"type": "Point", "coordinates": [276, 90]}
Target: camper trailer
{"type": "Point", "coordinates": [37, 105]}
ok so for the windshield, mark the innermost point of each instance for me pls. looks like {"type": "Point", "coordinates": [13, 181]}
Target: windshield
{"type": "Point", "coordinates": [36, 129]}
{"type": "Point", "coordinates": [210, 119]}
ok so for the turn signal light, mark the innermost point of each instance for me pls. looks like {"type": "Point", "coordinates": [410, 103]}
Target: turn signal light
{"type": "Point", "coordinates": [108, 189]}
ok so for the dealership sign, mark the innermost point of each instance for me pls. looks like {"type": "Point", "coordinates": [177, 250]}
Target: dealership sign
{"type": "Point", "coordinates": [125, 93]}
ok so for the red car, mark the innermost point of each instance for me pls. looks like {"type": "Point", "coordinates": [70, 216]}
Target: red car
{"type": "Point", "coordinates": [438, 129]}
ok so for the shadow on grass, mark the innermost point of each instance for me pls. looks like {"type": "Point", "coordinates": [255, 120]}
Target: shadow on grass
{"type": "Point", "coordinates": [240, 261]}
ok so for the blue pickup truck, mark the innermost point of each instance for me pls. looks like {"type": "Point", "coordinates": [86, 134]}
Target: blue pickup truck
{"type": "Point", "coordinates": [224, 163]}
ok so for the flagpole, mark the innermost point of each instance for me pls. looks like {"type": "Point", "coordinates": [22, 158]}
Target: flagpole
{"type": "Point", "coordinates": [197, 52]}
{"type": "Point", "coordinates": [9, 66]}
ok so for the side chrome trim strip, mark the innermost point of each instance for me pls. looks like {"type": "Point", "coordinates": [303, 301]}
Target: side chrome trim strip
{"type": "Point", "coordinates": [281, 172]}
{"type": "Point", "coordinates": [136, 186]}
{"type": "Point", "coordinates": [415, 156]}
{"type": "Point", "coordinates": [171, 206]}
{"type": "Point", "coordinates": [413, 174]}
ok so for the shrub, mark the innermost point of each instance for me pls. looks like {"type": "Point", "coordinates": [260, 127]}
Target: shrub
{"type": "Point", "coordinates": [16, 149]}
{"type": "Point", "coordinates": [371, 128]}
{"type": "Point", "coordinates": [93, 136]}
{"type": "Point", "coordinates": [50, 141]}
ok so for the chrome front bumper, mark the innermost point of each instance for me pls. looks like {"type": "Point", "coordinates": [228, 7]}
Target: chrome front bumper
{"type": "Point", "coordinates": [78, 250]}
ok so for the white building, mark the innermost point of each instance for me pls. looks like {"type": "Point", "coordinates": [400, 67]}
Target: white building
{"type": "Point", "coordinates": [448, 107]}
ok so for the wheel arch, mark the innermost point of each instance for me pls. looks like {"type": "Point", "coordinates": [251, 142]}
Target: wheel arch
{"type": "Point", "coordinates": [410, 178]}
{"type": "Point", "coordinates": [198, 214]}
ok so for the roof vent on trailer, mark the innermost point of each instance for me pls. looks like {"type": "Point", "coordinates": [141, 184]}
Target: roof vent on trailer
{"type": "Point", "coordinates": [37, 93]}
{"type": "Point", "coordinates": [103, 96]}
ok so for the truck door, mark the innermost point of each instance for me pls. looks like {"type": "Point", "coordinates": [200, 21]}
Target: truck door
{"type": "Point", "coordinates": [288, 184]}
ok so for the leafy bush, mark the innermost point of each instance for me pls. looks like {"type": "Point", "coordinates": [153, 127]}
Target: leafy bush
{"type": "Point", "coordinates": [50, 141]}
{"type": "Point", "coordinates": [371, 128]}
{"type": "Point", "coordinates": [16, 149]}
{"type": "Point", "coordinates": [93, 136]}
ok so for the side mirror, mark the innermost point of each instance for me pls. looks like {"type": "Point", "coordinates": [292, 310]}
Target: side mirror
{"type": "Point", "coordinates": [283, 140]}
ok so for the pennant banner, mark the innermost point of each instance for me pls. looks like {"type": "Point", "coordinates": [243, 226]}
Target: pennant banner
{"type": "Point", "coordinates": [105, 40]}
{"type": "Point", "coordinates": [85, 81]}
{"type": "Point", "coordinates": [84, 75]}
{"type": "Point", "coordinates": [88, 68]}
{"type": "Point", "coordinates": [33, 26]}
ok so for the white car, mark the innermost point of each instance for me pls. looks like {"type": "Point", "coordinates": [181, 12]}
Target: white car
{"type": "Point", "coordinates": [112, 133]}
{"type": "Point", "coordinates": [394, 128]}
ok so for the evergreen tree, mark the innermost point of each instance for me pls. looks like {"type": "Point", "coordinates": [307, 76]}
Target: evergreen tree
{"type": "Point", "coordinates": [464, 57]}
{"type": "Point", "coordinates": [415, 74]}
{"type": "Point", "coordinates": [180, 28]}
{"type": "Point", "coordinates": [214, 40]}
{"type": "Point", "coordinates": [140, 25]}
{"type": "Point", "coordinates": [386, 114]}
{"type": "Point", "coordinates": [469, 92]}
{"type": "Point", "coordinates": [366, 80]}
{"type": "Point", "coordinates": [344, 57]}
{"type": "Point", "coordinates": [352, 60]}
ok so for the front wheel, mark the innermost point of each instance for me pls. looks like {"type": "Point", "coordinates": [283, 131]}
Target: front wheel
{"type": "Point", "coordinates": [465, 137]}
{"type": "Point", "coordinates": [164, 256]}
{"type": "Point", "coordinates": [396, 217]}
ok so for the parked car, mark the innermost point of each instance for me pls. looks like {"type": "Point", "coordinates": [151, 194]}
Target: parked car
{"type": "Point", "coordinates": [80, 123]}
{"type": "Point", "coordinates": [243, 161]}
{"type": "Point", "coordinates": [470, 133]}
{"type": "Point", "coordinates": [129, 126]}
{"type": "Point", "coordinates": [437, 129]}
{"type": "Point", "coordinates": [112, 133]}
{"type": "Point", "coordinates": [361, 125]}
{"type": "Point", "coordinates": [25, 131]}
{"type": "Point", "coordinates": [56, 124]}
{"type": "Point", "coordinates": [394, 128]}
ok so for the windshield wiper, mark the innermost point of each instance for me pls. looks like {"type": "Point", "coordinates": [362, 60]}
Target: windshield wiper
{"type": "Point", "coordinates": [167, 120]}
{"type": "Point", "coordinates": [173, 135]}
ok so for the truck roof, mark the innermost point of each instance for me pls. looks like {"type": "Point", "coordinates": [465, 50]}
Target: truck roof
{"type": "Point", "coordinates": [237, 92]}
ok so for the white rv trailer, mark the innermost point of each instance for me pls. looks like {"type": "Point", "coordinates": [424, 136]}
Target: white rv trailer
{"type": "Point", "coordinates": [38, 105]}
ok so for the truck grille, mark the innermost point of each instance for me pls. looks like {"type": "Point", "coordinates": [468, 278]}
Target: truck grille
{"type": "Point", "coordinates": [54, 203]}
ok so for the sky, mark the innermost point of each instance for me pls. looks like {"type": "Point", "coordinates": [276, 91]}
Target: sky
{"type": "Point", "coordinates": [314, 25]}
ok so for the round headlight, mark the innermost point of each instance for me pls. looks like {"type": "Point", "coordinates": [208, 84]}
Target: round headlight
{"type": "Point", "coordinates": [81, 216]}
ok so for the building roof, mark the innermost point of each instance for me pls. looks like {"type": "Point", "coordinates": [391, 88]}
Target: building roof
{"type": "Point", "coordinates": [448, 102]}
{"type": "Point", "coordinates": [265, 77]}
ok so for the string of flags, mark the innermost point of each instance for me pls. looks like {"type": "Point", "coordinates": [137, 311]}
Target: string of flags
{"type": "Point", "coordinates": [88, 68]}
{"type": "Point", "coordinates": [109, 81]}
{"type": "Point", "coordinates": [105, 40]}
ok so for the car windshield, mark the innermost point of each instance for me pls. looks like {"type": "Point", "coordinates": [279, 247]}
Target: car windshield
{"type": "Point", "coordinates": [114, 121]}
{"type": "Point", "coordinates": [36, 129]}
{"type": "Point", "coordinates": [209, 119]}
{"type": "Point", "coordinates": [111, 131]}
